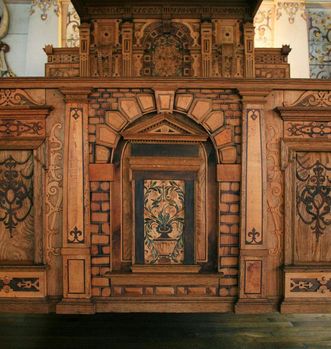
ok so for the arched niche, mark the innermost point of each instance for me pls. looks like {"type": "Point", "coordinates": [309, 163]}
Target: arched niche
{"type": "Point", "coordinates": [165, 192]}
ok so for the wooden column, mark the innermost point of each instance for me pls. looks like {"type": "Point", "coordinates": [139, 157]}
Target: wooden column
{"type": "Point", "coordinates": [249, 50]}
{"type": "Point", "coordinates": [253, 240]}
{"type": "Point", "coordinates": [84, 49]}
{"type": "Point", "coordinates": [127, 36]}
{"type": "Point", "coordinates": [76, 240]}
{"type": "Point", "coordinates": [206, 48]}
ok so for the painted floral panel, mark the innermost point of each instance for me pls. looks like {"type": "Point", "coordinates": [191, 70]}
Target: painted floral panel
{"type": "Point", "coordinates": [319, 26]}
{"type": "Point", "coordinates": [164, 221]}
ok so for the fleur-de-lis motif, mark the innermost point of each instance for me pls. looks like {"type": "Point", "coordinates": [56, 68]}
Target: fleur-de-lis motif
{"type": "Point", "coordinates": [255, 237]}
{"type": "Point", "coordinates": [76, 236]}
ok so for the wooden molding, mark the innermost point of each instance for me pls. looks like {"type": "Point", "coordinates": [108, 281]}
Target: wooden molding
{"type": "Point", "coordinates": [165, 268]}
{"type": "Point", "coordinates": [76, 94]}
{"type": "Point", "coordinates": [304, 113]}
{"type": "Point", "coordinates": [23, 127]}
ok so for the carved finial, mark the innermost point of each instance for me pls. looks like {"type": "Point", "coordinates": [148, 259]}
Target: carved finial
{"type": "Point", "coordinates": [286, 49]}
{"type": "Point", "coordinates": [48, 49]}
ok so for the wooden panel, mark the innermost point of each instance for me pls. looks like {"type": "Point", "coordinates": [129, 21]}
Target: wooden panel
{"type": "Point", "coordinates": [253, 277]}
{"type": "Point", "coordinates": [76, 276]}
{"type": "Point", "coordinates": [76, 273]}
{"type": "Point", "coordinates": [164, 218]}
{"type": "Point", "coordinates": [75, 190]}
{"type": "Point", "coordinates": [253, 182]}
{"type": "Point", "coordinates": [176, 165]}
{"type": "Point", "coordinates": [254, 179]}
{"type": "Point", "coordinates": [164, 221]}
{"type": "Point", "coordinates": [19, 284]}
{"type": "Point", "coordinates": [308, 285]}
{"type": "Point", "coordinates": [17, 235]}
{"type": "Point", "coordinates": [312, 232]}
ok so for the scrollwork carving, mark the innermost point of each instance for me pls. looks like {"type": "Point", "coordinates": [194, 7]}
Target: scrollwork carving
{"type": "Point", "coordinates": [54, 191]}
{"type": "Point", "coordinates": [16, 191]}
{"type": "Point", "coordinates": [275, 184]}
{"type": "Point", "coordinates": [312, 99]}
{"type": "Point", "coordinates": [313, 198]}
{"type": "Point", "coordinates": [16, 97]}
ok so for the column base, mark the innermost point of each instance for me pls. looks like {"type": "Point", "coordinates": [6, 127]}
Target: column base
{"type": "Point", "coordinates": [75, 306]}
{"type": "Point", "coordinates": [256, 306]}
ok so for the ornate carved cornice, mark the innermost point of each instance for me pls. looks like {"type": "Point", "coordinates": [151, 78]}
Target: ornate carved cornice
{"type": "Point", "coordinates": [159, 11]}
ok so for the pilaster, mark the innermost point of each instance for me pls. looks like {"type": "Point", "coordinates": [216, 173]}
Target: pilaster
{"type": "Point", "coordinates": [84, 49]}
{"type": "Point", "coordinates": [249, 50]}
{"type": "Point", "coordinates": [253, 240]}
{"type": "Point", "coordinates": [76, 240]}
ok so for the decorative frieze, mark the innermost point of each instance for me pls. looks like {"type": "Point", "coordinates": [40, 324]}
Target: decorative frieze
{"type": "Point", "coordinates": [22, 284]}
{"type": "Point", "coordinates": [313, 129]}
{"type": "Point", "coordinates": [310, 284]}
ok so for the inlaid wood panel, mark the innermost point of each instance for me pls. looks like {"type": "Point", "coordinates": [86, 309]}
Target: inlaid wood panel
{"type": "Point", "coordinates": [312, 233]}
{"type": "Point", "coordinates": [164, 218]}
{"type": "Point", "coordinates": [16, 206]}
{"type": "Point", "coordinates": [22, 284]}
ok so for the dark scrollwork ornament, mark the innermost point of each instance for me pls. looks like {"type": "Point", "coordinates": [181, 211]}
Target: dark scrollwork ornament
{"type": "Point", "coordinates": [16, 192]}
{"type": "Point", "coordinates": [314, 198]}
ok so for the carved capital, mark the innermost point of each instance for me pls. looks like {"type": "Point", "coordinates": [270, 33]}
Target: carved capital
{"type": "Point", "coordinates": [77, 95]}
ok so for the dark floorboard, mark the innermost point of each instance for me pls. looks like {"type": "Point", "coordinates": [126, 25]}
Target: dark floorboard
{"type": "Point", "coordinates": [165, 331]}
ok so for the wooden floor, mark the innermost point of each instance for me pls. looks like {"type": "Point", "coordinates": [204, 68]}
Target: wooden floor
{"type": "Point", "coordinates": [168, 331]}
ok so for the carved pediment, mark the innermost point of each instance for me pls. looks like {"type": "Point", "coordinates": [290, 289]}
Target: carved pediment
{"type": "Point", "coordinates": [310, 106]}
{"type": "Point", "coordinates": [165, 128]}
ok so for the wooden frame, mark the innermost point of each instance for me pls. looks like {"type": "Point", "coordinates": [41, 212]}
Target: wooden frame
{"type": "Point", "coordinates": [23, 127]}
{"type": "Point", "coordinates": [173, 164]}
{"type": "Point", "coordinates": [289, 148]}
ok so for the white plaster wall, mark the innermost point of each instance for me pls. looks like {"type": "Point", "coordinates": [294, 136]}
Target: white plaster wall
{"type": "Point", "coordinates": [27, 36]}
{"type": "Point", "coordinates": [296, 35]}
{"type": "Point", "coordinates": [40, 34]}
{"type": "Point", "coordinates": [17, 37]}
{"type": "Point", "coordinates": [283, 22]}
